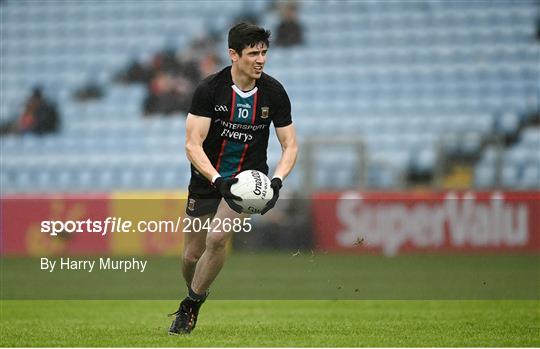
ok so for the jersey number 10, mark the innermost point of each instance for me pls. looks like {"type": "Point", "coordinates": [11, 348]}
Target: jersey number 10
{"type": "Point", "coordinates": [243, 113]}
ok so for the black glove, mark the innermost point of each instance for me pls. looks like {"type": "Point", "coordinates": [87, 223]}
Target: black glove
{"type": "Point", "coordinates": [224, 187]}
{"type": "Point", "coordinates": [276, 184]}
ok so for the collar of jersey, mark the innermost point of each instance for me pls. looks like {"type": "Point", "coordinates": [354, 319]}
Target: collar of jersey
{"type": "Point", "coordinates": [242, 93]}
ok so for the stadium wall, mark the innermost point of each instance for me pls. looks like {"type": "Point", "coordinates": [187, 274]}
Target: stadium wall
{"type": "Point", "coordinates": [22, 218]}
{"type": "Point", "coordinates": [358, 222]}
{"type": "Point", "coordinates": [400, 222]}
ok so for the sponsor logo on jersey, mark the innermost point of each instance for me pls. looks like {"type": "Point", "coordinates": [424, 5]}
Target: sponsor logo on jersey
{"type": "Point", "coordinates": [220, 108]}
{"type": "Point", "coordinates": [239, 126]}
{"type": "Point", "coordinates": [265, 111]}
{"type": "Point", "coordinates": [239, 136]}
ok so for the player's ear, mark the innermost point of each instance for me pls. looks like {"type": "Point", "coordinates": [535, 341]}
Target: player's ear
{"type": "Point", "coordinates": [233, 55]}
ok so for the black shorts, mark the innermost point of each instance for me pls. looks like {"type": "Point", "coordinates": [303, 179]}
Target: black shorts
{"type": "Point", "coordinates": [203, 197]}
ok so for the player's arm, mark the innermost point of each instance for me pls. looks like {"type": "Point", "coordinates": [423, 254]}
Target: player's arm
{"type": "Point", "coordinates": [196, 131]}
{"type": "Point", "coordinates": [289, 150]}
{"type": "Point", "coordinates": [197, 128]}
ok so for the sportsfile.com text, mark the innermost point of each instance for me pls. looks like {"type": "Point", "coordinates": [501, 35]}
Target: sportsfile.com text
{"type": "Point", "coordinates": [120, 225]}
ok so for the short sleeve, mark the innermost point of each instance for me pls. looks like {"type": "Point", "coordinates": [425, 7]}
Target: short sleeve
{"type": "Point", "coordinates": [282, 116]}
{"type": "Point", "coordinates": [202, 104]}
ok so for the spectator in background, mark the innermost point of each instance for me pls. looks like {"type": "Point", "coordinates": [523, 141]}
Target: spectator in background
{"type": "Point", "coordinates": [168, 94]}
{"type": "Point", "coordinates": [89, 91]}
{"type": "Point", "coordinates": [135, 73]}
{"type": "Point", "coordinates": [171, 76]}
{"type": "Point", "coordinates": [209, 64]}
{"type": "Point", "coordinates": [39, 117]}
{"type": "Point", "coordinates": [203, 51]}
{"type": "Point", "coordinates": [289, 31]}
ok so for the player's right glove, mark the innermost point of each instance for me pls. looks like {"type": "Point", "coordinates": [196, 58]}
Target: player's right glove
{"type": "Point", "coordinates": [224, 187]}
{"type": "Point", "coordinates": [276, 184]}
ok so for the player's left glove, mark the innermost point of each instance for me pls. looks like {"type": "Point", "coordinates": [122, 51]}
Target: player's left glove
{"type": "Point", "coordinates": [276, 184]}
{"type": "Point", "coordinates": [224, 187]}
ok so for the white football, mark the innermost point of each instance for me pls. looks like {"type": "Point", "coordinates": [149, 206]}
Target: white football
{"type": "Point", "coordinates": [254, 189]}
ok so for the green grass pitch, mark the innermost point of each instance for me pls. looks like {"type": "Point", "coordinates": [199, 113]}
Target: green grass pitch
{"type": "Point", "coordinates": [277, 276]}
{"type": "Point", "coordinates": [117, 323]}
{"type": "Point", "coordinates": [282, 299]}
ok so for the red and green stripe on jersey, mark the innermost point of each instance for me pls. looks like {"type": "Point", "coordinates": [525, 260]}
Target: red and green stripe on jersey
{"type": "Point", "coordinates": [243, 111]}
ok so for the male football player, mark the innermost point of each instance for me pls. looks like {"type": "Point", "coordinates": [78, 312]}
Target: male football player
{"type": "Point", "coordinates": [227, 131]}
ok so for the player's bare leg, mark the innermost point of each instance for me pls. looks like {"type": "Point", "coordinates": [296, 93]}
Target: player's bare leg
{"type": "Point", "coordinates": [194, 246]}
{"type": "Point", "coordinates": [207, 267]}
{"type": "Point", "coordinates": [213, 258]}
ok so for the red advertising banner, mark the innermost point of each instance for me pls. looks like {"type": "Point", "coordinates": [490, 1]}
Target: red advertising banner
{"type": "Point", "coordinates": [27, 224]}
{"type": "Point", "coordinates": [22, 218]}
{"type": "Point", "coordinates": [391, 223]}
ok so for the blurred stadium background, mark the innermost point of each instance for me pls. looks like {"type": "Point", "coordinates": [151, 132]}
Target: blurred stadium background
{"type": "Point", "coordinates": [408, 103]}
{"type": "Point", "coordinates": [428, 87]}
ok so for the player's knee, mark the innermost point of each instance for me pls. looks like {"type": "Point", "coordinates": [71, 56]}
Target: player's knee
{"type": "Point", "coordinates": [216, 242]}
{"type": "Point", "coordinates": [191, 257]}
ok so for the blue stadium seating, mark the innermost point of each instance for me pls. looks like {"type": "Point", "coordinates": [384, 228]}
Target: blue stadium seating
{"type": "Point", "coordinates": [402, 76]}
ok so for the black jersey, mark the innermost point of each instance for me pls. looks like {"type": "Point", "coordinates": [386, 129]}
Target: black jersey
{"type": "Point", "coordinates": [238, 135]}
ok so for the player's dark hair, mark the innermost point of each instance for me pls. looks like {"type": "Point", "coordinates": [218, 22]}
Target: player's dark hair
{"type": "Point", "coordinates": [245, 35]}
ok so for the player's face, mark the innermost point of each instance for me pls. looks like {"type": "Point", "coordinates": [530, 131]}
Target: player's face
{"type": "Point", "coordinates": [252, 60]}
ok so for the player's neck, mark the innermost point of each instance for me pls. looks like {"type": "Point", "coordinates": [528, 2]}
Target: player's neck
{"type": "Point", "coordinates": [242, 81]}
